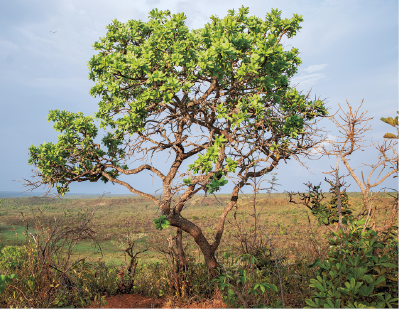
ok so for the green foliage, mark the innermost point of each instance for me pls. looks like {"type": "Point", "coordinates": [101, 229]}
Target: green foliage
{"type": "Point", "coordinates": [239, 278]}
{"type": "Point", "coordinates": [204, 162]}
{"type": "Point", "coordinates": [327, 213]}
{"type": "Point", "coordinates": [216, 184]}
{"type": "Point", "coordinates": [6, 279]}
{"type": "Point", "coordinates": [141, 66]}
{"type": "Point", "coordinates": [393, 122]}
{"type": "Point", "coordinates": [12, 257]}
{"type": "Point", "coordinates": [73, 156]}
{"type": "Point", "coordinates": [161, 223]}
{"type": "Point", "coordinates": [354, 276]}
{"type": "Point", "coordinates": [187, 181]}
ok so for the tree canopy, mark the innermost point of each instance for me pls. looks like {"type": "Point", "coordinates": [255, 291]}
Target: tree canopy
{"type": "Point", "coordinates": [149, 77]}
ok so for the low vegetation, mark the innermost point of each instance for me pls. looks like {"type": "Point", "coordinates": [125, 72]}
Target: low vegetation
{"type": "Point", "coordinates": [52, 256]}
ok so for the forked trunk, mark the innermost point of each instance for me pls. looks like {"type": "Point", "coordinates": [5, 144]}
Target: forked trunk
{"type": "Point", "coordinates": [196, 233]}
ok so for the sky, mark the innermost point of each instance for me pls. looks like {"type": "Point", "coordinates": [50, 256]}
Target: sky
{"type": "Point", "coordinates": [349, 52]}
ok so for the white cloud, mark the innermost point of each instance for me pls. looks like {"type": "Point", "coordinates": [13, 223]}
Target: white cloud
{"type": "Point", "coordinates": [309, 80]}
{"type": "Point", "coordinates": [314, 68]}
{"type": "Point", "coordinates": [306, 81]}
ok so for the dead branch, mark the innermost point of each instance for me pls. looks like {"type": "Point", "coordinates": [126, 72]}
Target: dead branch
{"type": "Point", "coordinates": [352, 127]}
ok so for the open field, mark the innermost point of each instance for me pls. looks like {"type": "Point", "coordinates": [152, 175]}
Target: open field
{"type": "Point", "coordinates": [296, 238]}
{"type": "Point", "coordinates": [113, 217]}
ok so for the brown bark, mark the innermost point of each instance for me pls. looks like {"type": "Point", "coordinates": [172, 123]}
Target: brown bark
{"type": "Point", "coordinates": [339, 204]}
{"type": "Point", "coordinates": [180, 250]}
{"type": "Point", "coordinates": [199, 238]}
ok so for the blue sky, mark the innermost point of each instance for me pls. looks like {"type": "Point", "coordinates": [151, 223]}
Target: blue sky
{"type": "Point", "coordinates": [349, 51]}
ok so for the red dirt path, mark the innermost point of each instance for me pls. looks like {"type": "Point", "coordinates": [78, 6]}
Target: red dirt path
{"type": "Point", "coordinates": [139, 301]}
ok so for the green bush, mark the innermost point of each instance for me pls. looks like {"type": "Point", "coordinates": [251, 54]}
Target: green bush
{"type": "Point", "coordinates": [12, 258]}
{"type": "Point", "coordinates": [355, 275]}
{"type": "Point", "coordinates": [242, 283]}
{"type": "Point", "coordinates": [327, 213]}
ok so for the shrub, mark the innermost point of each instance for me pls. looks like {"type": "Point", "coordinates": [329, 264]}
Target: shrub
{"type": "Point", "coordinates": [355, 275]}
{"type": "Point", "coordinates": [11, 258]}
{"type": "Point", "coordinates": [243, 283]}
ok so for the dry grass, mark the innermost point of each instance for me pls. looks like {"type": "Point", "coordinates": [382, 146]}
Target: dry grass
{"type": "Point", "coordinates": [296, 238]}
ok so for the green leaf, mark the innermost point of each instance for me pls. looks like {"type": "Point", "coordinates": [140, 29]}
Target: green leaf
{"type": "Point", "coordinates": [319, 286]}
{"type": "Point", "coordinates": [379, 280]}
{"type": "Point", "coordinates": [6, 279]}
{"type": "Point", "coordinates": [329, 304]}
{"type": "Point", "coordinates": [390, 265]}
{"type": "Point", "coordinates": [316, 263]}
{"type": "Point", "coordinates": [187, 181]}
{"type": "Point", "coordinates": [161, 223]}
{"type": "Point", "coordinates": [311, 303]}
{"type": "Point", "coordinates": [273, 287]}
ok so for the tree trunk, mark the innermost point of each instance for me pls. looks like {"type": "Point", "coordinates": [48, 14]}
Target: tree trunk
{"type": "Point", "coordinates": [210, 261]}
{"type": "Point", "coordinates": [338, 191]}
{"type": "Point", "coordinates": [207, 250]}
{"type": "Point", "coordinates": [180, 250]}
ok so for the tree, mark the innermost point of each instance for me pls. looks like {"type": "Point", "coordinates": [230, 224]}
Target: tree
{"type": "Point", "coordinates": [352, 129]}
{"type": "Point", "coordinates": [145, 71]}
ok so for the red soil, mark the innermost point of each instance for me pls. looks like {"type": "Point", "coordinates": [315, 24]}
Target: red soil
{"type": "Point", "coordinates": [129, 301]}
{"type": "Point", "coordinates": [139, 301]}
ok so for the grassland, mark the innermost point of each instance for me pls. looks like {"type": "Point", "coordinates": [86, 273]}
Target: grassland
{"type": "Point", "coordinates": [114, 217]}
{"type": "Point", "coordinates": [296, 237]}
